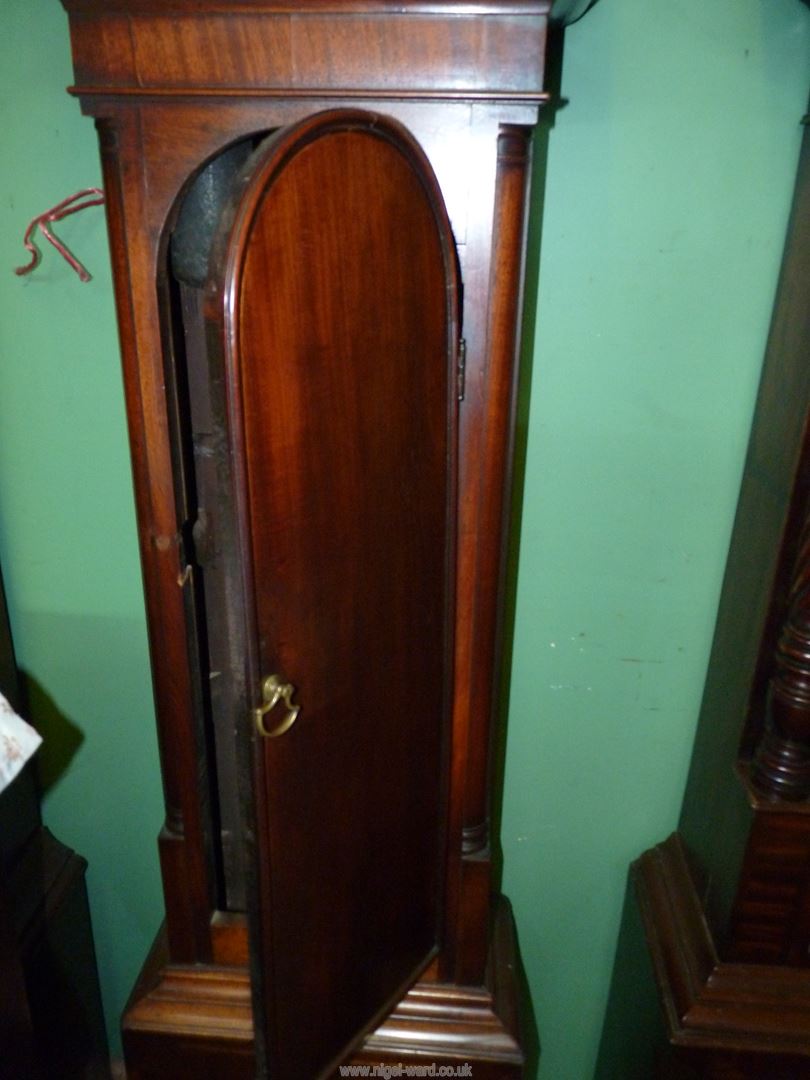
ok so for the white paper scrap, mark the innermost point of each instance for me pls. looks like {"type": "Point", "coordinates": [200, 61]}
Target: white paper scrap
{"type": "Point", "coordinates": [18, 742]}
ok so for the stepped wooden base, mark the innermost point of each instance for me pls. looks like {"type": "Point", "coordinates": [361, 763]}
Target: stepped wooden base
{"type": "Point", "coordinates": [196, 1022]}
{"type": "Point", "coordinates": [731, 1020]}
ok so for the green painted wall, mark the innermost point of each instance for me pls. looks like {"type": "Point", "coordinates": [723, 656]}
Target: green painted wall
{"type": "Point", "coordinates": [668, 181]}
{"type": "Point", "coordinates": [67, 527]}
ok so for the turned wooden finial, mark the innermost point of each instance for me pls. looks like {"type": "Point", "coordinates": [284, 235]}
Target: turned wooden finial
{"type": "Point", "coordinates": [781, 764]}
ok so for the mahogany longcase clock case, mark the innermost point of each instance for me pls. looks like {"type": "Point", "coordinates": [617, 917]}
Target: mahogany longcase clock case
{"type": "Point", "coordinates": [316, 211]}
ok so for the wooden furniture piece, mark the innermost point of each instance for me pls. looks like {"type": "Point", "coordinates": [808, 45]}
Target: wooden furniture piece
{"type": "Point", "coordinates": [316, 211]}
{"type": "Point", "coordinates": [51, 1020]}
{"type": "Point", "coordinates": [726, 902]}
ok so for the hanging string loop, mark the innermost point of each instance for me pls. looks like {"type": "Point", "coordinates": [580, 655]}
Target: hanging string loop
{"type": "Point", "coordinates": [81, 200]}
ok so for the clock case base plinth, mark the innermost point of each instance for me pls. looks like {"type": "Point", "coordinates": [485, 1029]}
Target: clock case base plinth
{"type": "Point", "coordinates": [200, 1018]}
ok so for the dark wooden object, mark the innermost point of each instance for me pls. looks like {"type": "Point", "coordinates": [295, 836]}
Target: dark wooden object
{"type": "Point", "coordinates": [728, 924]}
{"type": "Point", "coordinates": [733, 1018]}
{"type": "Point", "coordinates": [51, 1020]}
{"type": "Point", "coordinates": [320, 411]}
{"type": "Point", "coordinates": [344, 448]}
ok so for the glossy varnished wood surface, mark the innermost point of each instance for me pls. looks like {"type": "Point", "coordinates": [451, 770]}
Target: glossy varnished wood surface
{"type": "Point", "coordinates": [733, 1019]}
{"type": "Point", "coordinates": [457, 87]}
{"type": "Point", "coordinates": [770, 920]}
{"type": "Point", "coordinates": [372, 49]}
{"type": "Point", "coordinates": [166, 142]}
{"type": "Point", "coordinates": [200, 1021]}
{"type": "Point", "coordinates": [340, 334]}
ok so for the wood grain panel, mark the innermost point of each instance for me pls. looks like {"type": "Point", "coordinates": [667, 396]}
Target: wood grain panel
{"type": "Point", "coordinates": [385, 53]}
{"type": "Point", "coordinates": [233, 52]}
{"type": "Point", "coordinates": [757, 1011]}
{"type": "Point", "coordinates": [340, 317]}
{"type": "Point", "coordinates": [102, 49]}
{"type": "Point", "coordinates": [306, 51]}
{"type": "Point", "coordinates": [183, 842]}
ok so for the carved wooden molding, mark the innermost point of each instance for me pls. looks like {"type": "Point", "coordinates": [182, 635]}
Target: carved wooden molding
{"type": "Point", "coordinates": [194, 1012]}
{"type": "Point", "coordinates": [708, 1004]}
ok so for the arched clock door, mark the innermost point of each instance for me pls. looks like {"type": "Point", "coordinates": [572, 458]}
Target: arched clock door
{"type": "Point", "coordinates": [333, 317]}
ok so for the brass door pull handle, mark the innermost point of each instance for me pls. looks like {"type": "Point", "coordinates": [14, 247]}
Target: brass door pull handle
{"type": "Point", "coordinates": [273, 691]}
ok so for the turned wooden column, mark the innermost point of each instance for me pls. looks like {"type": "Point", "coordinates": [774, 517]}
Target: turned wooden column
{"type": "Point", "coordinates": [781, 764]}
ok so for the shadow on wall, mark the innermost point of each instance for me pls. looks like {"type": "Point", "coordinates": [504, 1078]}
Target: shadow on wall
{"type": "Point", "coordinates": [100, 775]}
{"type": "Point", "coordinates": [634, 1043]}
{"type": "Point", "coordinates": [61, 737]}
